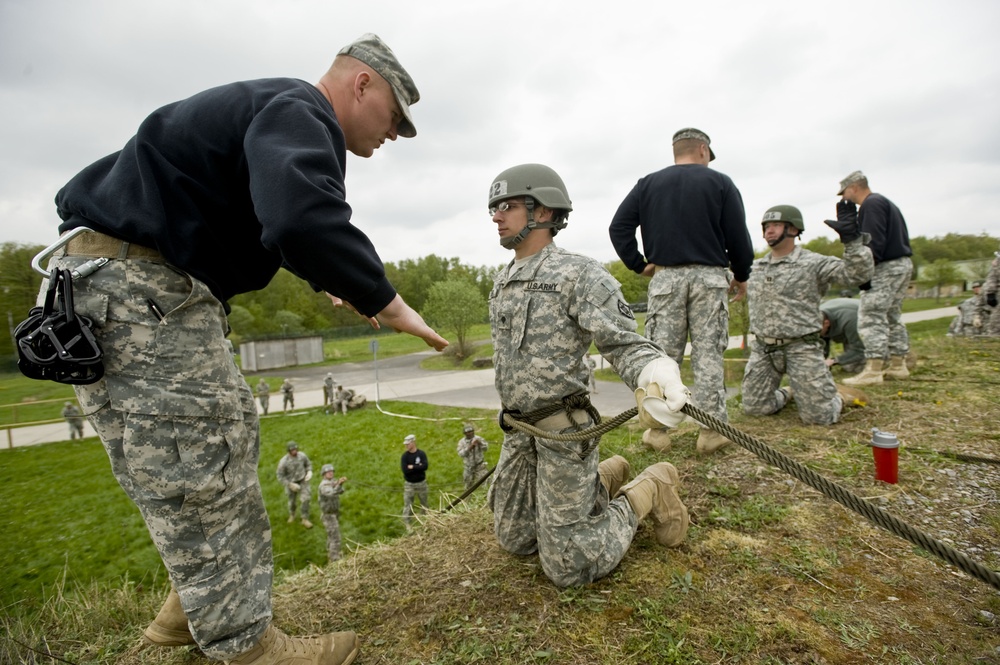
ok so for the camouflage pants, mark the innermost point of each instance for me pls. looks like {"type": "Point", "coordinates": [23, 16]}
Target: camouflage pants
{"type": "Point", "coordinates": [473, 472]}
{"type": "Point", "coordinates": [331, 521]}
{"type": "Point", "coordinates": [993, 324]}
{"type": "Point", "coordinates": [180, 428]}
{"type": "Point", "coordinates": [693, 300]}
{"type": "Point", "coordinates": [264, 401]}
{"type": "Point", "coordinates": [411, 490]}
{"type": "Point", "coordinates": [880, 323]}
{"type": "Point", "coordinates": [546, 499]}
{"type": "Point", "coordinates": [302, 496]}
{"type": "Point", "coordinates": [812, 384]}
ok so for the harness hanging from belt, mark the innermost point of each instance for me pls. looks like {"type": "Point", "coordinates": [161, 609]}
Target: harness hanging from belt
{"type": "Point", "coordinates": [55, 343]}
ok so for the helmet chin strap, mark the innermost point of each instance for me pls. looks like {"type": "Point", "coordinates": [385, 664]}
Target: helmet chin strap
{"type": "Point", "coordinates": [784, 234]}
{"type": "Point", "coordinates": [529, 203]}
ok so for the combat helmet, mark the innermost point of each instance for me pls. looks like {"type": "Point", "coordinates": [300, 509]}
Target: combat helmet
{"type": "Point", "coordinates": [535, 182]}
{"type": "Point", "coordinates": [292, 446]}
{"type": "Point", "coordinates": [783, 213]}
{"type": "Point", "coordinates": [326, 467]}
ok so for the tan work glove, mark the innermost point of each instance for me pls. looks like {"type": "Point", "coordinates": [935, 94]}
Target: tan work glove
{"type": "Point", "coordinates": [660, 395]}
{"type": "Point", "coordinates": [295, 487]}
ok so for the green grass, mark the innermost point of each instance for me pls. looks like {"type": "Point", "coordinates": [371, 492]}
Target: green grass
{"type": "Point", "coordinates": [65, 514]}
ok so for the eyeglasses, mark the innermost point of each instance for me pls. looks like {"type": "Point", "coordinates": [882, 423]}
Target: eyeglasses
{"type": "Point", "coordinates": [503, 206]}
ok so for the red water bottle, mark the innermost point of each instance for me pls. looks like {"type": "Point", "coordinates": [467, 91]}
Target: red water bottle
{"type": "Point", "coordinates": [885, 448]}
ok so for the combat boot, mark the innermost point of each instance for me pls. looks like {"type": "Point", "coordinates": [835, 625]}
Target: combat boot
{"type": "Point", "coordinates": [291, 518]}
{"type": "Point", "coordinates": [709, 441]}
{"type": "Point", "coordinates": [614, 473]}
{"type": "Point", "coordinates": [654, 493]}
{"type": "Point", "coordinates": [657, 439]}
{"type": "Point", "coordinates": [852, 396]}
{"type": "Point", "coordinates": [276, 648]}
{"type": "Point", "coordinates": [869, 376]}
{"type": "Point", "coordinates": [306, 523]}
{"type": "Point", "coordinates": [897, 368]}
{"type": "Point", "coordinates": [170, 627]}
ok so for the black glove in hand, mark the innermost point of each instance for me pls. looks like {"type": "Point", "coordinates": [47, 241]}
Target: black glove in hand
{"type": "Point", "coordinates": [866, 286]}
{"type": "Point", "coordinates": [847, 211]}
{"type": "Point", "coordinates": [991, 299]}
{"type": "Point", "coordinates": [848, 230]}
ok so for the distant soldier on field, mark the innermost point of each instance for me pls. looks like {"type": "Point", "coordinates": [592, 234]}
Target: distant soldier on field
{"type": "Point", "coordinates": [75, 420]}
{"type": "Point", "coordinates": [328, 389]}
{"type": "Point", "coordinates": [263, 394]}
{"type": "Point", "coordinates": [288, 395]}
{"type": "Point", "coordinates": [973, 315]}
{"type": "Point", "coordinates": [295, 472]}
{"type": "Point", "coordinates": [471, 448]}
{"type": "Point", "coordinates": [330, 490]}
{"type": "Point", "coordinates": [340, 400]}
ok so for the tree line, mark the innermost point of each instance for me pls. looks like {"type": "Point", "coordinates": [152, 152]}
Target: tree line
{"type": "Point", "coordinates": [448, 293]}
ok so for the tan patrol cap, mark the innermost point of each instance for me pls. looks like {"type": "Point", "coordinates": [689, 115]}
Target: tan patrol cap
{"type": "Point", "coordinates": [853, 177]}
{"type": "Point", "coordinates": [697, 134]}
{"type": "Point", "coordinates": [371, 50]}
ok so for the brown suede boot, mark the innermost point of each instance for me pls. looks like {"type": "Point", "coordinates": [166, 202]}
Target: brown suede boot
{"type": "Point", "coordinates": [897, 369]}
{"type": "Point", "coordinates": [852, 396]}
{"type": "Point", "coordinates": [709, 441]}
{"type": "Point", "coordinates": [869, 376]}
{"type": "Point", "coordinates": [276, 648]}
{"type": "Point", "coordinates": [654, 493]}
{"type": "Point", "coordinates": [614, 473]}
{"type": "Point", "coordinates": [657, 439]}
{"type": "Point", "coordinates": [170, 627]}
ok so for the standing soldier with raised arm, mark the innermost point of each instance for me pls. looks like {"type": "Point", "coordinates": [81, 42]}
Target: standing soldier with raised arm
{"type": "Point", "coordinates": [880, 316]}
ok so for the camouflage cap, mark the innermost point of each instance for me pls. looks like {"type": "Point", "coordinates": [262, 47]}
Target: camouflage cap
{"type": "Point", "coordinates": [468, 428]}
{"type": "Point", "coordinates": [853, 177]}
{"type": "Point", "coordinates": [292, 445]}
{"type": "Point", "coordinates": [371, 50]}
{"type": "Point", "coordinates": [409, 439]}
{"type": "Point", "coordinates": [697, 134]}
{"type": "Point", "coordinates": [976, 284]}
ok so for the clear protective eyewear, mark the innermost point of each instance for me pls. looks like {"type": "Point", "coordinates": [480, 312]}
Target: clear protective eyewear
{"type": "Point", "coordinates": [503, 206]}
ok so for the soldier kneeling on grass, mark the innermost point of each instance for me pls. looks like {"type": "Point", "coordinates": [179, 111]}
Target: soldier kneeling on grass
{"type": "Point", "coordinates": [784, 292]}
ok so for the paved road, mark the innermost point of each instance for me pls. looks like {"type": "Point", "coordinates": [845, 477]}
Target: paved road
{"type": "Point", "coordinates": [401, 378]}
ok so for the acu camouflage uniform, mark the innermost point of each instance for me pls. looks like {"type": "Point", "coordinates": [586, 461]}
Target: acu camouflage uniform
{"type": "Point", "coordinates": [297, 469]}
{"type": "Point", "coordinates": [784, 296]}
{"type": "Point", "coordinates": [180, 428]}
{"type": "Point", "coordinates": [263, 394]}
{"type": "Point", "coordinates": [546, 495]}
{"type": "Point", "coordinates": [329, 506]}
{"type": "Point", "coordinates": [471, 451]}
{"type": "Point", "coordinates": [992, 285]}
{"type": "Point", "coordinates": [695, 299]}
{"type": "Point", "coordinates": [973, 317]}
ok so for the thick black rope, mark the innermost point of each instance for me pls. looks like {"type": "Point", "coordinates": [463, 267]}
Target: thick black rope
{"type": "Point", "coordinates": [830, 489]}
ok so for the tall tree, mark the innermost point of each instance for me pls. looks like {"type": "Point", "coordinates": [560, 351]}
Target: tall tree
{"type": "Point", "coordinates": [455, 305]}
{"type": "Point", "coordinates": [19, 286]}
{"type": "Point", "coordinates": [938, 274]}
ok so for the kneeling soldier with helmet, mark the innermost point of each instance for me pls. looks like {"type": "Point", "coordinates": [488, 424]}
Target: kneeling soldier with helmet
{"type": "Point", "coordinates": [547, 306]}
{"type": "Point", "coordinates": [784, 292]}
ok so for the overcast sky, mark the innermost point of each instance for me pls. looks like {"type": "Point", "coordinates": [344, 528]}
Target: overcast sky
{"type": "Point", "coordinates": [794, 95]}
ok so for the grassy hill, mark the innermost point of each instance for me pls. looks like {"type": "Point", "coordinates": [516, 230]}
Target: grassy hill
{"type": "Point", "coordinates": [771, 571]}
